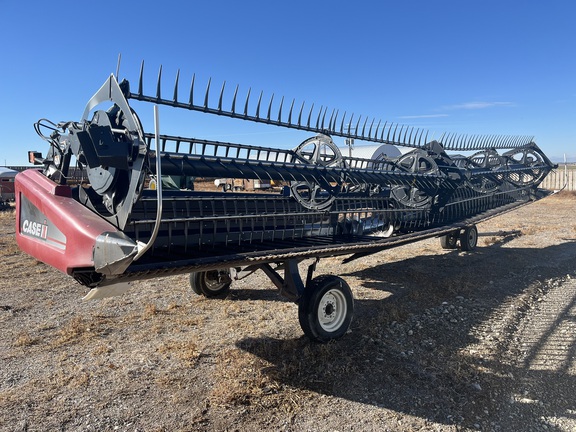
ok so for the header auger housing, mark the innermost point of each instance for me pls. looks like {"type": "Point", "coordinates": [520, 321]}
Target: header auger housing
{"type": "Point", "coordinates": [108, 227]}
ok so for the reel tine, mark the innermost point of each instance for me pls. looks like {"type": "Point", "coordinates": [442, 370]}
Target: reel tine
{"type": "Point", "coordinates": [383, 129]}
{"type": "Point", "coordinates": [318, 119]}
{"type": "Point", "coordinates": [400, 139]}
{"type": "Point", "coordinates": [394, 136]}
{"type": "Point", "coordinates": [175, 98]}
{"type": "Point", "coordinates": [445, 140]}
{"type": "Point", "coordinates": [246, 103]}
{"type": "Point", "coordinates": [389, 129]}
{"type": "Point", "coordinates": [191, 97]}
{"type": "Point", "coordinates": [342, 123]}
{"type": "Point", "coordinates": [324, 118]}
{"type": "Point", "coordinates": [350, 123]}
{"type": "Point", "coordinates": [300, 114]}
{"type": "Point", "coordinates": [357, 124]}
{"type": "Point", "coordinates": [522, 141]}
{"type": "Point", "coordinates": [459, 141]}
{"type": "Point", "coordinates": [258, 105]}
{"type": "Point", "coordinates": [280, 110]}
{"type": "Point", "coordinates": [527, 140]}
{"type": "Point", "coordinates": [329, 121]}
{"type": "Point", "coordinates": [514, 141]}
{"type": "Point", "coordinates": [364, 127]}
{"type": "Point", "coordinates": [493, 141]}
{"type": "Point", "coordinates": [221, 96]}
{"type": "Point", "coordinates": [465, 142]}
{"type": "Point", "coordinates": [410, 136]}
{"type": "Point", "coordinates": [234, 99]}
{"type": "Point", "coordinates": [140, 79]}
{"type": "Point", "coordinates": [440, 140]}
{"type": "Point", "coordinates": [483, 144]}
{"type": "Point", "coordinates": [290, 112]}
{"type": "Point", "coordinates": [475, 143]}
{"type": "Point", "coordinates": [377, 127]}
{"type": "Point", "coordinates": [417, 137]}
{"type": "Point", "coordinates": [405, 133]}
{"type": "Point", "coordinates": [498, 141]}
{"type": "Point", "coordinates": [449, 139]}
{"type": "Point", "coordinates": [478, 142]}
{"type": "Point", "coordinates": [470, 142]}
{"type": "Point", "coordinates": [310, 115]}
{"type": "Point", "coordinates": [207, 93]}
{"type": "Point", "coordinates": [158, 95]}
{"type": "Point", "coordinates": [333, 119]}
{"type": "Point", "coordinates": [483, 140]}
{"type": "Point", "coordinates": [270, 107]}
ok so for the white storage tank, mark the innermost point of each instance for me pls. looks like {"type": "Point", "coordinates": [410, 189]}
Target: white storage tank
{"type": "Point", "coordinates": [373, 151]}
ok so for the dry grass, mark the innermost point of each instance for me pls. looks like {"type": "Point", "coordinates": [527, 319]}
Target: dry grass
{"type": "Point", "coordinates": [160, 357]}
{"type": "Point", "coordinates": [25, 340]}
{"type": "Point", "coordinates": [566, 195]}
{"type": "Point", "coordinates": [8, 217]}
{"type": "Point", "coordinates": [241, 381]}
{"type": "Point", "coordinates": [185, 350]}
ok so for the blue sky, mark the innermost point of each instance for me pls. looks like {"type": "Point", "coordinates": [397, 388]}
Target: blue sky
{"type": "Point", "coordinates": [472, 67]}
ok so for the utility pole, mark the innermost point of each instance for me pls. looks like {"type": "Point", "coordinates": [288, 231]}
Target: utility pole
{"type": "Point", "coordinates": [350, 144]}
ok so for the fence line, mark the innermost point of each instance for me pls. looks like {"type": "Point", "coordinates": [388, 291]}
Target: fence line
{"type": "Point", "coordinates": [556, 179]}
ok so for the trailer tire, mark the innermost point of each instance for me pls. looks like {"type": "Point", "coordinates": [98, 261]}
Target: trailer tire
{"type": "Point", "coordinates": [210, 283]}
{"type": "Point", "coordinates": [469, 238]}
{"type": "Point", "coordinates": [326, 308]}
{"type": "Point", "coordinates": [449, 241]}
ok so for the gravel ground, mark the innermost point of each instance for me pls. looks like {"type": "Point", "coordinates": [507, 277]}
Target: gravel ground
{"type": "Point", "coordinates": [441, 340]}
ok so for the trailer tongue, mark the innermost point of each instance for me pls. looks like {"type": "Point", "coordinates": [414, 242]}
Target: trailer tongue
{"type": "Point", "coordinates": [109, 228]}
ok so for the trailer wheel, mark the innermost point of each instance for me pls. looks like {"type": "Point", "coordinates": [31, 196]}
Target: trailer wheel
{"type": "Point", "coordinates": [213, 283]}
{"type": "Point", "coordinates": [449, 241]}
{"type": "Point", "coordinates": [326, 308]}
{"type": "Point", "coordinates": [469, 238]}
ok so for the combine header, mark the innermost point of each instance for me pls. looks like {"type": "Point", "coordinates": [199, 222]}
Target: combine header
{"type": "Point", "coordinates": [111, 228]}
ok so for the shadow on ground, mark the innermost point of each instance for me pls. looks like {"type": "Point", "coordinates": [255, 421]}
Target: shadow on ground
{"type": "Point", "coordinates": [419, 351]}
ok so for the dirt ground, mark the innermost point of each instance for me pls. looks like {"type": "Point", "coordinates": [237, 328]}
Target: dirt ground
{"type": "Point", "coordinates": [441, 341]}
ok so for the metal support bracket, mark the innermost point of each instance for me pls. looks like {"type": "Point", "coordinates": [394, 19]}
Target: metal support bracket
{"type": "Point", "coordinates": [291, 285]}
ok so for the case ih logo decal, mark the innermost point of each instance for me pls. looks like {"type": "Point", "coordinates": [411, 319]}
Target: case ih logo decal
{"type": "Point", "coordinates": [35, 229]}
{"type": "Point", "coordinates": [45, 231]}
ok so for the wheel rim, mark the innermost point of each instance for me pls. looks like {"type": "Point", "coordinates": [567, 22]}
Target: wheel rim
{"type": "Point", "coordinates": [472, 237]}
{"type": "Point", "coordinates": [332, 310]}
{"type": "Point", "coordinates": [212, 281]}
